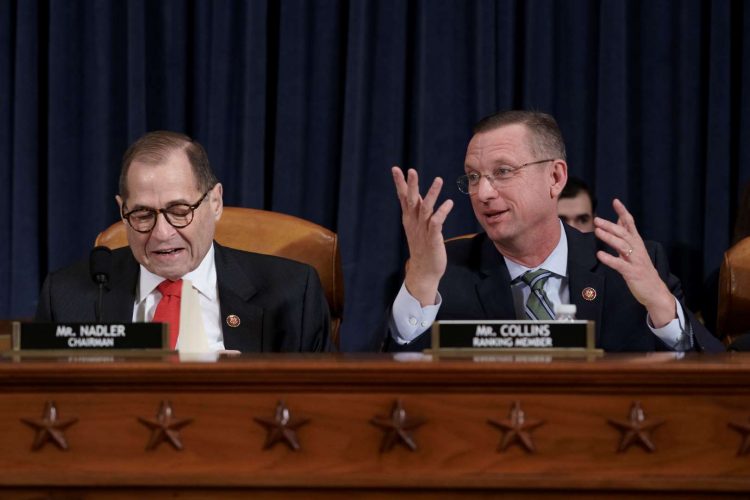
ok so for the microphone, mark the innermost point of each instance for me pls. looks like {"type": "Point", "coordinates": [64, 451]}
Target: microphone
{"type": "Point", "coordinates": [100, 263]}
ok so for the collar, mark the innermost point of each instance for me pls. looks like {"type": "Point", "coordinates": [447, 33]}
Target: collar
{"type": "Point", "coordinates": [556, 262]}
{"type": "Point", "coordinates": [202, 277]}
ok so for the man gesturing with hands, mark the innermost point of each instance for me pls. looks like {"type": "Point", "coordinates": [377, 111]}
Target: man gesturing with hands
{"type": "Point", "coordinates": [527, 261]}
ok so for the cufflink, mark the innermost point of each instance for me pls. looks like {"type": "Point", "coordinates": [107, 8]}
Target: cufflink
{"type": "Point", "coordinates": [233, 321]}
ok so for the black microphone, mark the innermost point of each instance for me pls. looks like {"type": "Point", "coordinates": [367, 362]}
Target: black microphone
{"type": "Point", "coordinates": [100, 263]}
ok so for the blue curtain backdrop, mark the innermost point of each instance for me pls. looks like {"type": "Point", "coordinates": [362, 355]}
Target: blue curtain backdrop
{"type": "Point", "coordinates": [304, 106]}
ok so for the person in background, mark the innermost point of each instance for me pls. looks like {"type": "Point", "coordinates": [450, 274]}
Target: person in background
{"type": "Point", "coordinates": [577, 205]}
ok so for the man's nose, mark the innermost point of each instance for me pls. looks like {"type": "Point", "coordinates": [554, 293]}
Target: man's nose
{"type": "Point", "coordinates": [486, 189]}
{"type": "Point", "coordinates": [162, 228]}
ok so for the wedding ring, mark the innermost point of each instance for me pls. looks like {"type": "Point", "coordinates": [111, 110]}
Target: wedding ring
{"type": "Point", "coordinates": [627, 254]}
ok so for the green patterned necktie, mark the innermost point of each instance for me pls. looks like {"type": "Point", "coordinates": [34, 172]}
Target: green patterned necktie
{"type": "Point", "coordinates": [538, 306]}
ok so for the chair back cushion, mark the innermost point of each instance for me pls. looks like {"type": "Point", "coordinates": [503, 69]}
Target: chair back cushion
{"type": "Point", "coordinates": [734, 291]}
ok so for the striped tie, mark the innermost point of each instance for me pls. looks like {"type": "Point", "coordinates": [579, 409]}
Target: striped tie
{"type": "Point", "coordinates": [538, 306]}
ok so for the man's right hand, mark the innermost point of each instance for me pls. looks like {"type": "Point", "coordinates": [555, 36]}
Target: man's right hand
{"type": "Point", "coordinates": [424, 233]}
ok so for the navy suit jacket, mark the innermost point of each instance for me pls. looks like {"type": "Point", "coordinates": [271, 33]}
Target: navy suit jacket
{"type": "Point", "coordinates": [477, 285]}
{"type": "Point", "coordinates": [280, 302]}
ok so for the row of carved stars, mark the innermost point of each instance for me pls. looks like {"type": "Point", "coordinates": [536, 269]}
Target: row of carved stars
{"type": "Point", "coordinates": [398, 428]}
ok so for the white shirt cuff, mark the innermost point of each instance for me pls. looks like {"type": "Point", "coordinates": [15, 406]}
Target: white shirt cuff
{"type": "Point", "coordinates": [409, 318]}
{"type": "Point", "coordinates": [674, 334]}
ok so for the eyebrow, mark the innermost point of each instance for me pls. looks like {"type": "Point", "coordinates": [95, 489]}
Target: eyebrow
{"type": "Point", "coordinates": [177, 202]}
{"type": "Point", "coordinates": [169, 204]}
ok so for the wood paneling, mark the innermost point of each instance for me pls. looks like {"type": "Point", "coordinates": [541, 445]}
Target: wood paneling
{"type": "Point", "coordinates": [696, 449]}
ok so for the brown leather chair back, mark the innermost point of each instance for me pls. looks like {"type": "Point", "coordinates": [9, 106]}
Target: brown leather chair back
{"type": "Point", "coordinates": [734, 292]}
{"type": "Point", "coordinates": [461, 237]}
{"type": "Point", "coordinates": [273, 233]}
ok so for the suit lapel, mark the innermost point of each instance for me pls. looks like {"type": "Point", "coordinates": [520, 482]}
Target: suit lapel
{"type": "Point", "coordinates": [494, 289]}
{"type": "Point", "coordinates": [582, 262]}
{"type": "Point", "coordinates": [119, 295]}
{"type": "Point", "coordinates": [235, 291]}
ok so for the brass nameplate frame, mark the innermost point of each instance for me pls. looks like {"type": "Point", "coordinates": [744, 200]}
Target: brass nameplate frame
{"type": "Point", "coordinates": [514, 336]}
{"type": "Point", "coordinates": [57, 339]}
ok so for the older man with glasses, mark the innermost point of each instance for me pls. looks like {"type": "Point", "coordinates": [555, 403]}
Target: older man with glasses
{"type": "Point", "coordinates": [173, 269]}
{"type": "Point", "coordinates": [527, 261]}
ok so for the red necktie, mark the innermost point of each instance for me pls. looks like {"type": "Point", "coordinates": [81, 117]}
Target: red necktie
{"type": "Point", "coordinates": [168, 309]}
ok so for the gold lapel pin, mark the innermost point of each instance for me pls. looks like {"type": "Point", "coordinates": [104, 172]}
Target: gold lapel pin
{"type": "Point", "coordinates": [233, 320]}
{"type": "Point", "coordinates": [589, 293]}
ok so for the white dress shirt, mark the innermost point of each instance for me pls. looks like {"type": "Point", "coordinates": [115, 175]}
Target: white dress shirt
{"type": "Point", "coordinates": [410, 319]}
{"type": "Point", "coordinates": [203, 277]}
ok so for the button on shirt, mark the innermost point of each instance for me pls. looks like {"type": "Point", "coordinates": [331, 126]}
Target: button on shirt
{"type": "Point", "coordinates": [204, 281]}
{"type": "Point", "coordinates": [411, 320]}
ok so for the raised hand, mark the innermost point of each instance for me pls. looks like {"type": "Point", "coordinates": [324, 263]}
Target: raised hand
{"type": "Point", "coordinates": [634, 264]}
{"type": "Point", "coordinates": [424, 233]}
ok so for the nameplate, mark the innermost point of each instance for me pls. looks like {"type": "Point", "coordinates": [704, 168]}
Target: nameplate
{"type": "Point", "coordinates": [37, 337]}
{"type": "Point", "coordinates": [520, 335]}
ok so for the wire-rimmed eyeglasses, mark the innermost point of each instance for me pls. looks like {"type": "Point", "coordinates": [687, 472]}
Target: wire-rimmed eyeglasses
{"type": "Point", "coordinates": [469, 183]}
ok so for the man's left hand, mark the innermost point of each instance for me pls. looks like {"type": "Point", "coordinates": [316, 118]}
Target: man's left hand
{"type": "Point", "coordinates": [634, 264]}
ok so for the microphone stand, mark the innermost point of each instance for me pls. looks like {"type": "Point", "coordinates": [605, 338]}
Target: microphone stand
{"type": "Point", "coordinates": [100, 265]}
{"type": "Point", "coordinates": [101, 279]}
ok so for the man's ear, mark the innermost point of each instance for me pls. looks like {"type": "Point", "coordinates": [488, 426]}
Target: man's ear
{"type": "Point", "coordinates": [559, 175]}
{"type": "Point", "coordinates": [120, 202]}
{"type": "Point", "coordinates": [216, 200]}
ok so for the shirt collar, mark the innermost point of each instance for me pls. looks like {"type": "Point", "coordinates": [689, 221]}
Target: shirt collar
{"type": "Point", "coordinates": [556, 262]}
{"type": "Point", "coordinates": [202, 277]}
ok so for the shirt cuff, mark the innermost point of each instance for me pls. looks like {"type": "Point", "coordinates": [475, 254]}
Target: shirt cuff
{"type": "Point", "coordinates": [676, 334]}
{"type": "Point", "coordinates": [409, 319]}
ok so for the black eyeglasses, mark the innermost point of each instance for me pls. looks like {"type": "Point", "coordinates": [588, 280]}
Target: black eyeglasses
{"type": "Point", "coordinates": [469, 183]}
{"type": "Point", "coordinates": [178, 215]}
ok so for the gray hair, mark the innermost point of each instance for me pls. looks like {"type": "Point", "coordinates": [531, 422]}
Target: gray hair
{"type": "Point", "coordinates": [155, 147]}
{"type": "Point", "coordinates": [546, 137]}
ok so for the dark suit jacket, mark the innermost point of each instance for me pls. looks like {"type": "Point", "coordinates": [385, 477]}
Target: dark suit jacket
{"type": "Point", "coordinates": [280, 302]}
{"type": "Point", "coordinates": [476, 285]}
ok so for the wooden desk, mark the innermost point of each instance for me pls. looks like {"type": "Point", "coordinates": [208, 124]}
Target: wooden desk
{"type": "Point", "coordinates": [576, 447]}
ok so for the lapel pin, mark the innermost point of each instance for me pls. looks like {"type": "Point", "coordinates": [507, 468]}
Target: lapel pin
{"type": "Point", "coordinates": [233, 320]}
{"type": "Point", "coordinates": [589, 293]}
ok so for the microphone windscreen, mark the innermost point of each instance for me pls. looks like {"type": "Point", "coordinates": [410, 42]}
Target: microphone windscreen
{"type": "Point", "coordinates": [100, 264]}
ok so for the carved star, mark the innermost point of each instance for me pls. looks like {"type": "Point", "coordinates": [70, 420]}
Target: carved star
{"type": "Point", "coordinates": [516, 429]}
{"type": "Point", "coordinates": [636, 430]}
{"type": "Point", "coordinates": [282, 427]}
{"type": "Point", "coordinates": [744, 429]}
{"type": "Point", "coordinates": [165, 427]}
{"type": "Point", "coordinates": [50, 427]}
{"type": "Point", "coordinates": [397, 427]}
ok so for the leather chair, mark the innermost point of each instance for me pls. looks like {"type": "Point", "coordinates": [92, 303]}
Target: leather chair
{"type": "Point", "coordinates": [733, 318]}
{"type": "Point", "coordinates": [273, 233]}
{"type": "Point", "coordinates": [462, 237]}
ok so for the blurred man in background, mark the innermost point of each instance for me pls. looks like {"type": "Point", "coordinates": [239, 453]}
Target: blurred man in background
{"type": "Point", "coordinates": [577, 205]}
